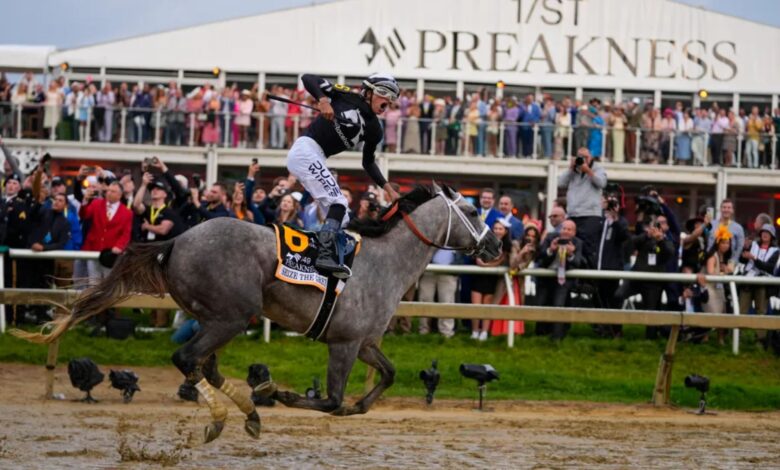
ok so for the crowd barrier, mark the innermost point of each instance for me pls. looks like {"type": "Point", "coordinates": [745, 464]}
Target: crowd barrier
{"type": "Point", "coordinates": [512, 313]}
{"type": "Point", "coordinates": [181, 128]}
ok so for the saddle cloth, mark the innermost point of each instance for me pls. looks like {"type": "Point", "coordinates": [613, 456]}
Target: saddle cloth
{"type": "Point", "coordinates": [296, 252]}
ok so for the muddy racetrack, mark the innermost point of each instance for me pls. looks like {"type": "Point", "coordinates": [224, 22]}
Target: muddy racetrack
{"type": "Point", "coordinates": [157, 429]}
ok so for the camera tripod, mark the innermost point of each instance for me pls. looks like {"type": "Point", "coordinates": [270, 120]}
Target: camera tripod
{"type": "Point", "coordinates": [702, 406]}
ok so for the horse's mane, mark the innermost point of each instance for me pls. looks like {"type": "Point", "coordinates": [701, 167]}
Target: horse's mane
{"type": "Point", "coordinates": [407, 203]}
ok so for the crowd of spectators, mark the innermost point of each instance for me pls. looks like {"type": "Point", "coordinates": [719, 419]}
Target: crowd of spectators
{"type": "Point", "coordinates": [588, 229]}
{"type": "Point", "coordinates": [480, 124]}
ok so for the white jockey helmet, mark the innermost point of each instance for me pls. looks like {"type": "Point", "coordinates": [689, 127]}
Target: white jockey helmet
{"type": "Point", "coordinates": [384, 85]}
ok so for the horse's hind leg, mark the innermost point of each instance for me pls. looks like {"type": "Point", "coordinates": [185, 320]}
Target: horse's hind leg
{"type": "Point", "coordinates": [341, 358]}
{"type": "Point", "coordinates": [190, 359]}
{"type": "Point", "coordinates": [371, 355]}
{"type": "Point", "coordinates": [244, 403]}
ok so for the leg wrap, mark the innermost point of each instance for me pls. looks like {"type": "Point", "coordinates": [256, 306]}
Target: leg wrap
{"type": "Point", "coordinates": [218, 410]}
{"type": "Point", "coordinates": [241, 400]}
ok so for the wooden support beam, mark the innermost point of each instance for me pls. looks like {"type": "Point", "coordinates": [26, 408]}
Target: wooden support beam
{"type": "Point", "coordinates": [663, 379]}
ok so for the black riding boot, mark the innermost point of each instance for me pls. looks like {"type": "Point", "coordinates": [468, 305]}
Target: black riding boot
{"type": "Point", "coordinates": [328, 258]}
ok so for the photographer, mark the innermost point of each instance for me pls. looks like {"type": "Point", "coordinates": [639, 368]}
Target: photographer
{"type": "Point", "coordinates": [214, 198]}
{"type": "Point", "coordinates": [559, 252]}
{"type": "Point", "coordinates": [249, 194]}
{"type": "Point", "coordinates": [584, 181]}
{"type": "Point", "coordinates": [612, 236]}
{"type": "Point", "coordinates": [187, 214]}
{"type": "Point", "coordinates": [654, 251]}
{"type": "Point", "coordinates": [760, 260]}
{"type": "Point", "coordinates": [158, 221]}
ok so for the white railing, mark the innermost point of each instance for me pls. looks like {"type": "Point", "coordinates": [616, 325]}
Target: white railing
{"type": "Point", "coordinates": [469, 137]}
{"type": "Point", "coordinates": [461, 269]}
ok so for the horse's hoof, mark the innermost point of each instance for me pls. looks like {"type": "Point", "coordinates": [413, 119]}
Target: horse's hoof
{"type": "Point", "coordinates": [340, 411]}
{"type": "Point", "coordinates": [213, 431]}
{"type": "Point", "coordinates": [252, 428]}
{"type": "Point", "coordinates": [266, 389]}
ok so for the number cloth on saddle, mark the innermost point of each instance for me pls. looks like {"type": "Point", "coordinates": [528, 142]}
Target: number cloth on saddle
{"type": "Point", "coordinates": [296, 252]}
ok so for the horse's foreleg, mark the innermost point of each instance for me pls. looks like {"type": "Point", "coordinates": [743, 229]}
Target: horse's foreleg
{"type": "Point", "coordinates": [244, 403]}
{"type": "Point", "coordinates": [372, 356]}
{"type": "Point", "coordinates": [341, 358]}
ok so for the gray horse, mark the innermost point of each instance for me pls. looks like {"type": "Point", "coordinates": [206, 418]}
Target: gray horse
{"type": "Point", "coordinates": [222, 273]}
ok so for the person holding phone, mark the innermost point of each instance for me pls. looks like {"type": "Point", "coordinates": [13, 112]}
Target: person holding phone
{"type": "Point", "coordinates": [346, 121]}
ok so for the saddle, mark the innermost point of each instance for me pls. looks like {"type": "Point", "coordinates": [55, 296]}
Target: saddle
{"type": "Point", "coordinates": [296, 252]}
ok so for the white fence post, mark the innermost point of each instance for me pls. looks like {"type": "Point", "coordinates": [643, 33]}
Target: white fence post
{"type": "Point", "coordinates": [510, 295]}
{"type": "Point", "coordinates": [735, 306]}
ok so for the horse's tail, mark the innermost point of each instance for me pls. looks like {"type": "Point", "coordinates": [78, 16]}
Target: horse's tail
{"type": "Point", "coordinates": [140, 269]}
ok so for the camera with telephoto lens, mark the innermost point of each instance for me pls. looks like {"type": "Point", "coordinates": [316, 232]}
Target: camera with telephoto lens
{"type": "Point", "coordinates": [649, 207]}
{"type": "Point", "coordinates": [579, 161]}
{"type": "Point", "coordinates": [196, 180]}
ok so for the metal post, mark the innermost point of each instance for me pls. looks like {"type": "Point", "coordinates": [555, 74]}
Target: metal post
{"type": "Point", "coordinates": [670, 161]}
{"type": "Point", "coordinates": [735, 306]}
{"type": "Point", "coordinates": [157, 118]}
{"type": "Point", "coordinates": [569, 141]}
{"type": "Point", "coordinates": [466, 138]}
{"type": "Point", "coordinates": [638, 145]}
{"type": "Point", "coordinates": [53, 132]}
{"type": "Point", "coordinates": [740, 138]}
{"type": "Point", "coordinates": [123, 126]}
{"type": "Point", "coordinates": [261, 131]}
{"type": "Point", "coordinates": [19, 121]}
{"type": "Point", "coordinates": [534, 153]}
{"type": "Point", "coordinates": [266, 330]}
{"type": "Point", "coordinates": [296, 125]}
{"type": "Point", "coordinates": [192, 129]}
{"type": "Point", "coordinates": [226, 131]}
{"type": "Point", "coordinates": [774, 149]}
{"type": "Point", "coordinates": [432, 141]}
{"type": "Point", "coordinates": [398, 134]}
{"type": "Point", "coordinates": [604, 144]}
{"type": "Point", "coordinates": [501, 131]}
{"type": "Point", "coordinates": [552, 190]}
{"type": "Point", "coordinates": [510, 295]}
{"type": "Point", "coordinates": [705, 160]}
{"type": "Point", "coordinates": [87, 133]}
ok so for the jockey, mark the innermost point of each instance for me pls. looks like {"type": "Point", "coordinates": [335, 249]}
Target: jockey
{"type": "Point", "coordinates": [345, 121]}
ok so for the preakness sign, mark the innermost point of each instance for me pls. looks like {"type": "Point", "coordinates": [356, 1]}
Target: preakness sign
{"type": "Point", "coordinates": [629, 44]}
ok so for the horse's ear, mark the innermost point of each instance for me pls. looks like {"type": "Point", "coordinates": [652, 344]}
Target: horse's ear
{"type": "Point", "coordinates": [450, 192]}
{"type": "Point", "coordinates": [434, 187]}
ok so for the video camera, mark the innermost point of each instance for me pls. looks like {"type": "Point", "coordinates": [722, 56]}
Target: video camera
{"type": "Point", "coordinates": [648, 205]}
{"type": "Point", "coordinates": [482, 373]}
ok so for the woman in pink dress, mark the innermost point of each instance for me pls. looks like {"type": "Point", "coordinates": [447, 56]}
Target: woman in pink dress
{"type": "Point", "coordinates": [392, 116]}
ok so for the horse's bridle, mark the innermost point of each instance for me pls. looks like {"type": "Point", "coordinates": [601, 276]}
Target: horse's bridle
{"type": "Point", "coordinates": [478, 236]}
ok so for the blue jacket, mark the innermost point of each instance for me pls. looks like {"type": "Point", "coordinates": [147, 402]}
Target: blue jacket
{"type": "Point", "coordinates": [249, 189]}
{"type": "Point", "coordinates": [76, 236]}
{"type": "Point", "coordinates": [491, 217]}
{"type": "Point", "coordinates": [533, 115]}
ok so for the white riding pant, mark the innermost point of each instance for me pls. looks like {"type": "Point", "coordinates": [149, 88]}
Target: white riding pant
{"type": "Point", "coordinates": [306, 161]}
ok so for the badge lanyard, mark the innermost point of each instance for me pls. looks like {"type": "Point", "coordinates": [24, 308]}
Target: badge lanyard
{"type": "Point", "coordinates": [154, 214]}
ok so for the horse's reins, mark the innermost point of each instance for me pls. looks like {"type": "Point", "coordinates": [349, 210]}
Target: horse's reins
{"type": "Point", "coordinates": [452, 206]}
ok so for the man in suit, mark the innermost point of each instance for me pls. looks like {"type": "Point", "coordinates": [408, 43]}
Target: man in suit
{"type": "Point", "coordinates": [561, 252]}
{"type": "Point", "coordinates": [111, 225]}
{"type": "Point", "coordinates": [454, 115]}
{"type": "Point", "coordinates": [530, 115]}
{"type": "Point", "coordinates": [486, 211]}
{"type": "Point", "coordinates": [505, 206]}
{"type": "Point", "coordinates": [426, 119]}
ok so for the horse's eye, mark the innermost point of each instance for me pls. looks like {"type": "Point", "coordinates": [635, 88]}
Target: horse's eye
{"type": "Point", "coordinates": [473, 212]}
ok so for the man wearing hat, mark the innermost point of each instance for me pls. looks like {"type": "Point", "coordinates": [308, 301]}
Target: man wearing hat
{"type": "Point", "coordinates": [159, 222]}
{"type": "Point", "coordinates": [760, 260]}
